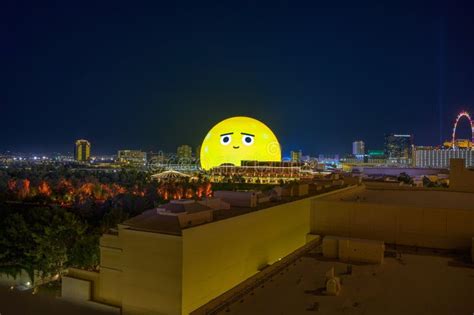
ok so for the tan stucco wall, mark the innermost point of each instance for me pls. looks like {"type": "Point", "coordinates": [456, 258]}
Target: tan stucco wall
{"type": "Point", "coordinates": [359, 250]}
{"type": "Point", "coordinates": [110, 270]}
{"type": "Point", "coordinates": [91, 276]}
{"type": "Point", "coordinates": [151, 273]}
{"type": "Point", "coordinates": [76, 289]}
{"type": "Point", "coordinates": [219, 255]}
{"type": "Point", "coordinates": [460, 178]}
{"type": "Point", "coordinates": [111, 258]}
{"type": "Point", "coordinates": [395, 224]}
{"type": "Point", "coordinates": [110, 284]}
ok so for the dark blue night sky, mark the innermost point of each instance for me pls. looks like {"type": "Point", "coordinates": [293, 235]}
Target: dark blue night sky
{"type": "Point", "coordinates": [128, 75]}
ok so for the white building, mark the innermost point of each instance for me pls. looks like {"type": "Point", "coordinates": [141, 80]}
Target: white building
{"type": "Point", "coordinates": [358, 148]}
{"type": "Point", "coordinates": [439, 158]}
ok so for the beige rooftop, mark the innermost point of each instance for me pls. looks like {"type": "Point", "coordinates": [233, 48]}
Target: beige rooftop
{"type": "Point", "coordinates": [440, 199]}
{"type": "Point", "coordinates": [153, 221]}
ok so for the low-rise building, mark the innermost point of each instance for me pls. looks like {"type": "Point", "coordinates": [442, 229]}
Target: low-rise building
{"type": "Point", "coordinates": [258, 172]}
{"type": "Point", "coordinates": [174, 259]}
{"type": "Point", "coordinates": [421, 217]}
{"type": "Point", "coordinates": [134, 158]}
{"type": "Point", "coordinates": [179, 257]}
{"type": "Point", "coordinates": [434, 157]}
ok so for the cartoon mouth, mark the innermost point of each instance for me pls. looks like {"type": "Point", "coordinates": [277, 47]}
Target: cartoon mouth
{"type": "Point", "coordinates": [236, 147]}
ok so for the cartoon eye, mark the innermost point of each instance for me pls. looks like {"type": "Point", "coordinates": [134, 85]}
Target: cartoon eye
{"type": "Point", "coordinates": [247, 139]}
{"type": "Point", "coordinates": [225, 139]}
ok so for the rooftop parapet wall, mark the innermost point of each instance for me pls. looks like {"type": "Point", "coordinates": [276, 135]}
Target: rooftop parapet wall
{"type": "Point", "coordinates": [110, 240]}
{"type": "Point", "coordinates": [219, 255]}
{"type": "Point", "coordinates": [461, 179]}
{"type": "Point", "coordinates": [393, 219]}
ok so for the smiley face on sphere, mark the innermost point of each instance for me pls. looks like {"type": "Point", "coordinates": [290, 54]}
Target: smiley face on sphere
{"type": "Point", "coordinates": [237, 139]}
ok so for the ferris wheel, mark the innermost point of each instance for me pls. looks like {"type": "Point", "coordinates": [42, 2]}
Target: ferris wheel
{"type": "Point", "coordinates": [462, 114]}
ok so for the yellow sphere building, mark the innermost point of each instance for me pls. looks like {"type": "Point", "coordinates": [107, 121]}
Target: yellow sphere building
{"type": "Point", "coordinates": [239, 139]}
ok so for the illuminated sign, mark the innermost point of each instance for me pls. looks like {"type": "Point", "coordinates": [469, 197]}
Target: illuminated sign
{"type": "Point", "coordinates": [237, 139]}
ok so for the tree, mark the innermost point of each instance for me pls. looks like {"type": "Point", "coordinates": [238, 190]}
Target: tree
{"type": "Point", "coordinates": [45, 241]}
{"type": "Point", "coordinates": [54, 241]}
{"type": "Point", "coordinates": [15, 240]}
{"type": "Point", "coordinates": [85, 252]}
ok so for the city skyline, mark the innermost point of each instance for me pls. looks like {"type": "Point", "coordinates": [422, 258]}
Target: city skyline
{"type": "Point", "coordinates": [185, 68]}
{"type": "Point", "coordinates": [466, 134]}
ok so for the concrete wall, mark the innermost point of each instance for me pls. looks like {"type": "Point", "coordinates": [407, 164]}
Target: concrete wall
{"type": "Point", "coordinates": [140, 272]}
{"type": "Point", "coordinates": [394, 224]}
{"type": "Point", "coordinates": [91, 276]}
{"type": "Point", "coordinates": [75, 289]}
{"type": "Point", "coordinates": [395, 171]}
{"type": "Point", "coordinates": [358, 250]}
{"type": "Point", "coordinates": [353, 249]}
{"type": "Point", "coordinates": [237, 198]}
{"type": "Point", "coordinates": [151, 273]}
{"type": "Point", "coordinates": [190, 219]}
{"type": "Point", "coordinates": [110, 284]}
{"type": "Point", "coordinates": [110, 270]}
{"type": "Point", "coordinates": [220, 255]}
{"type": "Point", "coordinates": [460, 178]}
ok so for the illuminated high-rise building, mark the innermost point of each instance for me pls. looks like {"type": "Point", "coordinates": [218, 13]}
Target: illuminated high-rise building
{"type": "Point", "coordinates": [358, 148]}
{"type": "Point", "coordinates": [184, 152]}
{"type": "Point", "coordinates": [296, 156]}
{"type": "Point", "coordinates": [398, 146]}
{"type": "Point", "coordinates": [82, 150]}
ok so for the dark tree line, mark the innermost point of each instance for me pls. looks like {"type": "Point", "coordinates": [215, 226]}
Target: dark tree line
{"type": "Point", "coordinates": [45, 240]}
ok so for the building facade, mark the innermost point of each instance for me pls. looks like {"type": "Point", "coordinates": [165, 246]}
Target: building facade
{"type": "Point", "coordinates": [398, 146]}
{"type": "Point", "coordinates": [156, 158]}
{"type": "Point", "coordinates": [440, 157]}
{"type": "Point", "coordinates": [358, 148]}
{"type": "Point", "coordinates": [257, 172]}
{"type": "Point", "coordinates": [184, 152]}
{"type": "Point", "coordinates": [296, 156]}
{"type": "Point", "coordinates": [460, 178]}
{"type": "Point", "coordinates": [82, 150]}
{"type": "Point", "coordinates": [432, 218]}
{"type": "Point", "coordinates": [174, 262]}
{"type": "Point", "coordinates": [134, 158]}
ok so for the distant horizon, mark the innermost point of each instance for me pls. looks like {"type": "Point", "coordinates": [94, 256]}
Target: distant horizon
{"type": "Point", "coordinates": [461, 130]}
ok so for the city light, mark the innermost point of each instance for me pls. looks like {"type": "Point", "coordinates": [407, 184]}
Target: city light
{"type": "Point", "coordinates": [471, 124]}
